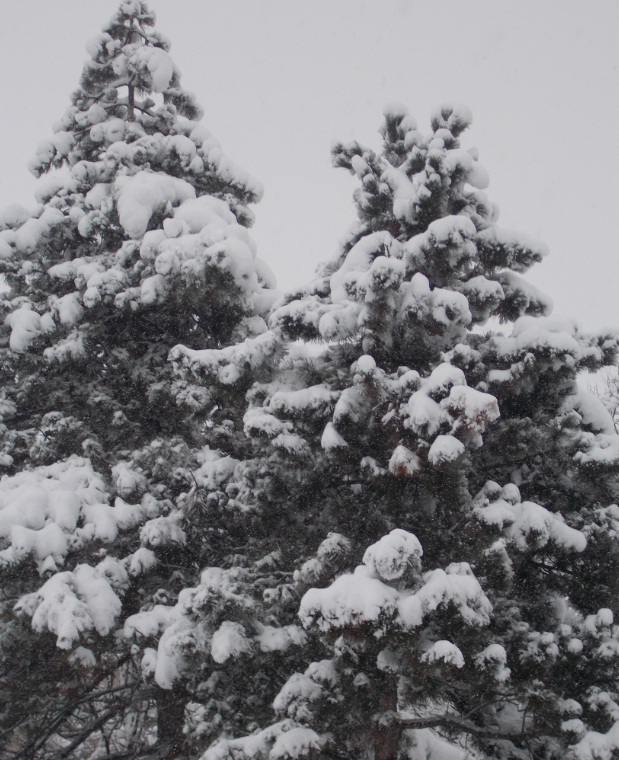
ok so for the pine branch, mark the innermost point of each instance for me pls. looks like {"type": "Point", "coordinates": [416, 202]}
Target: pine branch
{"type": "Point", "coordinates": [66, 713]}
{"type": "Point", "coordinates": [461, 724]}
{"type": "Point", "coordinates": [86, 732]}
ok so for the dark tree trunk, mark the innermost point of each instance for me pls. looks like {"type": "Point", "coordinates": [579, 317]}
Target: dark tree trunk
{"type": "Point", "coordinates": [387, 736]}
{"type": "Point", "coordinates": [131, 102]}
{"type": "Point", "coordinates": [170, 720]}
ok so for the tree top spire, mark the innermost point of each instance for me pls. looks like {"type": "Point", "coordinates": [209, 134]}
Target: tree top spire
{"type": "Point", "coordinates": [128, 70]}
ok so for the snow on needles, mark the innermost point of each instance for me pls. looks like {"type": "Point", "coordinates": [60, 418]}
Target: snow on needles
{"type": "Point", "coordinates": [361, 598]}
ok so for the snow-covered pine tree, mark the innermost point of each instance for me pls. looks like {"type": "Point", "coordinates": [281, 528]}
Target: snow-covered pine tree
{"type": "Point", "coordinates": [458, 483]}
{"type": "Point", "coordinates": [138, 243]}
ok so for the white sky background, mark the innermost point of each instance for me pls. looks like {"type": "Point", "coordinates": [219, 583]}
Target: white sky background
{"type": "Point", "coordinates": [280, 79]}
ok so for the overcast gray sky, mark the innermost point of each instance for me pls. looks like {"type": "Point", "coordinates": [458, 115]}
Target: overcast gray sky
{"type": "Point", "coordinates": [280, 79]}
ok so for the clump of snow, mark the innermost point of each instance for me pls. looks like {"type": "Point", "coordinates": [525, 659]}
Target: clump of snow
{"type": "Point", "coordinates": [472, 409]}
{"type": "Point", "coordinates": [361, 598]}
{"type": "Point", "coordinates": [163, 530]}
{"type": "Point", "coordinates": [445, 652]}
{"type": "Point", "coordinates": [317, 398]}
{"type": "Point", "coordinates": [592, 411]}
{"type": "Point", "coordinates": [205, 212]}
{"type": "Point", "coordinates": [448, 414]}
{"type": "Point", "coordinates": [331, 439]}
{"type": "Point", "coordinates": [158, 63]}
{"type": "Point", "coordinates": [445, 449]}
{"type": "Point", "coordinates": [456, 586]}
{"type": "Point", "coordinates": [350, 600]}
{"type": "Point", "coordinates": [404, 463]}
{"type": "Point", "coordinates": [455, 117]}
{"type": "Point", "coordinates": [366, 364]}
{"type": "Point", "coordinates": [493, 659]}
{"type": "Point", "coordinates": [227, 365]}
{"type": "Point", "coordinates": [140, 561]}
{"type": "Point", "coordinates": [424, 744]}
{"type": "Point", "coordinates": [525, 523]}
{"type": "Point", "coordinates": [25, 326]}
{"type": "Point", "coordinates": [138, 197]}
{"type": "Point", "coordinates": [45, 510]}
{"type": "Point", "coordinates": [270, 744]}
{"type": "Point", "coordinates": [358, 261]}
{"type": "Point", "coordinates": [297, 743]}
{"type": "Point", "coordinates": [34, 230]}
{"type": "Point", "coordinates": [273, 639]}
{"type": "Point", "coordinates": [151, 623]}
{"type": "Point", "coordinates": [390, 557]}
{"type": "Point", "coordinates": [72, 603]}
{"type": "Point", "coordinates": [229, 640]}
{"type": "Point", "coordinates": [330, 553]}
{"type": "Point", "coordinates": [13, 215]}
{"type": "Point", "coordinates": [68, 309]}
{"type": "Point", "coordinates": [597, 746]}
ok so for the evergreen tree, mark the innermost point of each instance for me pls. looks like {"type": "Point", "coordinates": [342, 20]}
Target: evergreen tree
{"type": "Point", "coordinates": [138, 243]}
{"type": "Point", "coordinates": [456, 481]}
{"type": "Point", "coordinates": [403, 539]}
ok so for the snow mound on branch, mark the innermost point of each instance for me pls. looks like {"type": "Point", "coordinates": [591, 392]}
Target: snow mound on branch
{"type": "Point", "coordinates": [301, 690]}
{"type": "Point", "coordinates": [72, 603]}
{"type": "Point", "coordinates": [273, 639]}
{"type": "Point", "coordinates": [361, 599]}
{"type": "Point", "coordinates": [281, 741]}
{"type": "Point", "coordinates": [350, 600]}
{"type": "Point", "coordinates": [227, 365]}
{"type": "Point", "coordinates": [203, 212]}
{"type": "Point", "coordinates": [601, 450]}
{"type": "Point", "coordinates": [444, 651]}
{"type": "Point", "coordinates": [472, 409]}
{"type": "Point", "coordinates": [390, 557]}
{"type": "Point", "coordinates": [597, 746]}
{"type": "Point", "coordinates": [404, 463]}
{"type": "Point", "coordinates": [330, 553]}
{"type": "Point", "coordinates": [229, 640]}
{"type": "Point", "coordinates": [166, 663]}
{"type": "Point", "coordinates": [424, 744]}
{"type": "Point", "coordinates": [554, 336]}
{"type": "Point", "coordinates": [512, 244]}
{"type": "Point", "coordinates": [358, 261]}
{"type": "Point", "coordinates": [30, 235]}
{"type": "Point", "coordinates": [296, 743]}
{"type": "Point", "coordinates": [40, 510]}
{"type": "Point", "coordinates": [138, 197]}
{"type": "Point", "coordinates": [319, 399]}
{"type": "Point", "coordinates": [448, 414]}
{"type": "Point", "coordinates": [12, 215]}
{"type": "Point", "coordinates": [592, 411]}
{"type": "Point", "coordinates": [456, 586]}
{"type": "Point", "coordinates": [331, 439]}
{"type": "Point", "coordinates": [159, 64]}
{"type": "Point", "coordinates": [449, 239]}
{"type": "Point", "coordinates": [525, 523]}
{"type": "Point", "coordinates": [25, 326]}
{"type": "Point", "coordinates": [445, 449]}
{"type": "Point", "coordinates": [454, 116]}
{"type": "Point", "coordinates": [67, 309]}
{"type": "Point", "coordinates": [163, 531]}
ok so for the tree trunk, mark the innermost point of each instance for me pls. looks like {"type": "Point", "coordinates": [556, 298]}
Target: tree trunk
{"type": "Point", "coordinates": [130, 102]}
{"type": "Point", "coordinates": [387, 737]}
{"type": "Point", "coordinates": [170, 720]}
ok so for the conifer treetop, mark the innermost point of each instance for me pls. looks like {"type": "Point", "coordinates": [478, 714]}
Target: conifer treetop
{"type": "Point", "coordinates": [130, 93]}
{"type": "Point", "coordinates": [129, 62]}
